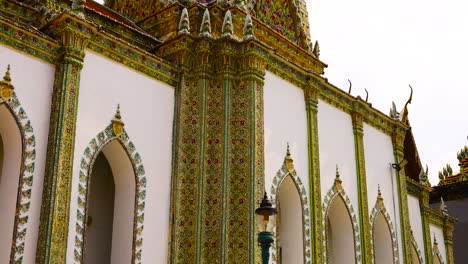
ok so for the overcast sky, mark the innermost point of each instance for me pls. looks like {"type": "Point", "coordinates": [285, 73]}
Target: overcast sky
{"type": "Point", "coordinates": [385, 45]}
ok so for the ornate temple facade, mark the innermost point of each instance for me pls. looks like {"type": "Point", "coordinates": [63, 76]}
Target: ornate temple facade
{"type": "Point", "coordinates": [148, 131]}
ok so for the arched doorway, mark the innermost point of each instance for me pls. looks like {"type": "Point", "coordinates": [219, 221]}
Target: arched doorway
{"type": "Point", "coordinates": [109, 231]}
{"type": "Point", "coordinates": [290, 228]}
{"type": "Point", "coordinates": [339, 233]}
{"type": "Point", "coordinates": [11, 151]}
{"type": "Point", "coordinates": [383, 248]}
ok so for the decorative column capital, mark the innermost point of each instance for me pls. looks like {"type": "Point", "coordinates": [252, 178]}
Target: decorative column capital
{"type": "Point", "coordinates": [73, 33]}
{"type": "Point", "coordinates": [311, 97]}
{"type": "Point", "coordinates": [358, 121]}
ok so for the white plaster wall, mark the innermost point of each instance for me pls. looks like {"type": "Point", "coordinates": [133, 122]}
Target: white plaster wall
{"type": "Point", "coordinates": [285, 121]}
{"type": "Point", "coordinates": [147, 108]}
{"type": "Point", "coordinates": [378, 153]}
{"type": "Point", "coordinates": [336, 146]}
{"type": "Point", "coordinates": [33, 80]}
{"type": "Point", "coordinates": [439, 235]}
{"type": "Point", "coordinates": [416, 222]}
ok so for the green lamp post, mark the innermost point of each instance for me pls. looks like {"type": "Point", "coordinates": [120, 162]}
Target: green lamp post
{"type": "Point", "coordinates": [265, 214]}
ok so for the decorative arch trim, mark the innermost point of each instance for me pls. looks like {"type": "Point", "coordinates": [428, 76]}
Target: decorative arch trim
{"type": "Point", "coordinates": [28, 158]}
{"type": "Point", "coordinates": [379, 208]}
{"type": "Point", "coordinates": [415, 245]}
{"type": "Point", "coordinates": [287, 169]}
{"type": "Point", "coordinates": [114, 131]}
{"type": "Point", "coordinates": [337, 191]}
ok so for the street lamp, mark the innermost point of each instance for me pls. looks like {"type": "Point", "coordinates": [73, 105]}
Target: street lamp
{"type": "Point", "coordinates": [265, 217]}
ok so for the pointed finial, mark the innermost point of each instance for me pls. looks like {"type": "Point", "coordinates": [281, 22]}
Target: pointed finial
{"type": "Point", "coordinates": [338, 181]}
{"type": "Point", "coordinates": [350, 85]}
{"type": "Point", "coordinates": [184, 23]}
{"type": "Point", "coordinates": [6, 88]}
{"type": "Point", "coordinates": [436, 245]}
{"type": "Point", "coordinates": [117, 124]}
{"type": "Point", "coordinates": [316, 50]}
{"type": "Point", "coordinates": [227, 28]}
{"type": "Point", "coordinates": [205, 29]}
{"type": "Point", "coordinates": [380, 203]}
{"type": "Point", "coordinates": [288, 161]}
{"type": "Point", "coordinates": [248, 28]}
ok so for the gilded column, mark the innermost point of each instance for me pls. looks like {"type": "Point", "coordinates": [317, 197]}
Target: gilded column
{"type": "Point", "coordinates": [73, 34]}
{"type": "Point", "coordinates": [311, 100]}
{"type": "Point", "coordinates": [364, 224]}
{"type": "Point", "coordinates": [398, 137]}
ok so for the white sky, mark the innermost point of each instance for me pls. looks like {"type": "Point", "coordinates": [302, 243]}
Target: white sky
{"type": "Point", "coordinates": [384, 46]}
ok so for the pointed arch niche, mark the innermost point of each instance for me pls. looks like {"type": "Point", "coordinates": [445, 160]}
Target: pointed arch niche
{"type": "Point", "coordinates": [436, 256]}
{"type": "Point", "coordinates": [293, 239]}
{"type": "Point", "coordinates": [416, 255]}
{"type": "Point", "coordinates": [383, 238]}
{"type": "Point", "coordinates": [111, 199]}
{"type": "Point", "coordinates": [341, 228]}
{"type": "Point", "coordinates": [17, 159]}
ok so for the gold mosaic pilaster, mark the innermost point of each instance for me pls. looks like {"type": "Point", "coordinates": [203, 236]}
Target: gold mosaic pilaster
{"type": "Point", "coordinates": [398, 137]}
{"type": "Point", "coordinates": [364, 224]}
{"type": "Point", "coordinates": [73, 34]}
{"type": "Point", "coordinates": [245, 185]}
{"type": "Point", "coordinates": [311, 100]}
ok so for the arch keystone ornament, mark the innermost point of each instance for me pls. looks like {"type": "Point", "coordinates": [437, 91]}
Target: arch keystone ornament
{"type": "Point", "coordinates": [9, 99]}
{"type": "Point", "coordinates": [288, 170]}
{"type": "Point", "coordinates": [114, 131]}
{"type": "Point", "coordinates": [379, 208]}
{"type": "Point", "coordinates": [337, 191]}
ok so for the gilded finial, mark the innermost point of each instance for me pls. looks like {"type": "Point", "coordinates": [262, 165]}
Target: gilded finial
{"type": "Point", "coordinates": [227, 28]}
{"type": "Point", "coordinates": [184, 23]}
{"type": "Point", "coordinates": [117, 124]}
{"type": "Point", "coordinates": [6, 88]}
{"type": "Point", "coordinates": [338, 181]}
{"type": "Point", "coordinates": [205, 29]}
{"type": "Point", "coordinates": [436, 245]}
{"type": "Point", "coordinates": [288, 160]}
{"type": "Point", "coordinates": [248, 28]}
{"type": "Point", "coordinates": [380, 203]}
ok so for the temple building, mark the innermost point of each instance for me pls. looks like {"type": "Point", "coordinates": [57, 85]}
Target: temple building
{"type": "Point", "coordinates": [148, 132]}
{"type": "Point", "coordinates": [451, 196]}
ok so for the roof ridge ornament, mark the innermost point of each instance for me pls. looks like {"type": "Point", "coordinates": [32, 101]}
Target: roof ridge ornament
{"type": "Point", "coordinates": [6, 88]}
{"type": "Point", "coordinates": [248, 28]}
{"type": "Point", "coordinates": [184, 23]}
{"type": "Point", "coordinates": [350, 86]}
{"type": "Point", "coordinates": [316, 50]}
{"type": "Point", "coordinates": [205, 29]}
{"type": "Point", "coordinates": [443, 207]}
{"type": "Point", "coordinates": [227, 28]}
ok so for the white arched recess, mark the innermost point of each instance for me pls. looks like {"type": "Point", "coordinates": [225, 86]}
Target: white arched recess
{"type": "Point", "coordinates": [341, 228]}
{"type": "Point", "coordinates": [384, 242]}
{"type": "Point", "coordinates": [293, 219]}
{"type": "Point", "coordinates": [16, 177]}
{"type": "Point", "coordinates": [130, 193]}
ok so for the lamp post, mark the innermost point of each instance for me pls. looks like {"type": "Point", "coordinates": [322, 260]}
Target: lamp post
{"type": "Point", "coordinates": [265, 213]}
